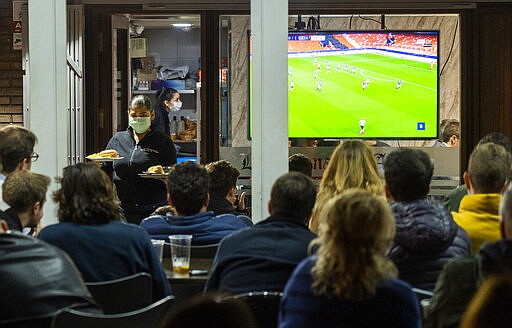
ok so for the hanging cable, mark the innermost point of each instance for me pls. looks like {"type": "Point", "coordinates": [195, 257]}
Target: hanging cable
{"type": "Point", "coordinates": [313, 23]}
{"type": "Point", "coordinates": [451, 48]}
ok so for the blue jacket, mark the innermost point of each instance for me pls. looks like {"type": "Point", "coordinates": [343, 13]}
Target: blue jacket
{"type": "Point", "coordinates": [261, 258]}
{"type": "Point", "coordinates": [204, 227]}
{"type": "Point", "coordinates": [426, 238]}
{"type": "Point", "coordinates": [109, 251]}
{"type": "Point", "coordinates": [394, 305]}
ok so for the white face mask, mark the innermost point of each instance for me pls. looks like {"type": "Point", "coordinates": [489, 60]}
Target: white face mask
{"type": "Point", "coordinates": [176, 107]}
{"type": "Point", "coordinates": [139, 124]}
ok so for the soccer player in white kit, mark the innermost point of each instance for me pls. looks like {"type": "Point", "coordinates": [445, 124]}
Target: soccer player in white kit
{"type": "Point", "coordinates": [319, 85]}
{"type": "Point", "coordinates": [362, 123]}
{"type": "Point", "coordinates": [292, 84]}
{"type": "Point", "coordinates": [365, 84]}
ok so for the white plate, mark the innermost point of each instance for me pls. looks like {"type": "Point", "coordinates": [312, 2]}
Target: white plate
{"type": "Point", "coordinates": [154, 175]}
{"type": "Point", "coordinates": [104, 159]}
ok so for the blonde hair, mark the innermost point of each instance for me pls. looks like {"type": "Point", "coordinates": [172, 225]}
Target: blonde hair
{"type": "Point", "coordinates": [490, 305]}
{"type": "Point", "coordinates": [488, 168]}
{"type": "Point", "coordinates": [352, 165]}
{"type": "Point", "coordinates": [356, 232]}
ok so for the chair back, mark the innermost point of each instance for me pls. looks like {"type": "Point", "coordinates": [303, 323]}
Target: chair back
{"type": "Point", "coordinates": [264, 305]}
{"type": "Point", "coordinates": [148, 317]}
{"type": "Point", "coordinates": [203, 251]}
{"type": "Point", "coordinates": [122, 295]}
{"type": "Point", "coordinates": [422, 294]}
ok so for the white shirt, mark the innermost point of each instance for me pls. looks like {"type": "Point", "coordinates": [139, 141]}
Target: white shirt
{"type": "Point", "coordinates": [3, 205]}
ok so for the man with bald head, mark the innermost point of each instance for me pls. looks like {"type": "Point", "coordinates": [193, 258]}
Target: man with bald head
{"type": "Point", "coordinates": [462, 276]}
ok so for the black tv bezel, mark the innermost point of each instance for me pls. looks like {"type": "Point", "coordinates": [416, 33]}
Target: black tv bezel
{"type": "Point", "coordinates": [341, 31]}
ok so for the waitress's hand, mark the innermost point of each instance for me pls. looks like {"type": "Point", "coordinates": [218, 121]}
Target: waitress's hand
{"type": "Point", "coordinates": [99, 164]}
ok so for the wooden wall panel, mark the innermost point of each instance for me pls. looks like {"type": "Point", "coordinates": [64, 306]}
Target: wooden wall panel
{"type": "Point", "coordinates": [486, 75]}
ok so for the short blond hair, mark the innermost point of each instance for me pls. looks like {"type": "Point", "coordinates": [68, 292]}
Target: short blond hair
{"type": "Point", "coordinates": [489, 168]}
{"type": "Point", "coordinates": [23, 188]}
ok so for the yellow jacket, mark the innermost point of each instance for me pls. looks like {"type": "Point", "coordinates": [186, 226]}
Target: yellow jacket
{"type": "Point", "coordinates": [478, 215]}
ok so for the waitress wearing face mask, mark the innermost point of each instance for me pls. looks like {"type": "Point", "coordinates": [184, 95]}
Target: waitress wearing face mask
{"type": "Point", "coordinates": [142, 147]}
{"type": "Point", "coordinates": [168, 102]}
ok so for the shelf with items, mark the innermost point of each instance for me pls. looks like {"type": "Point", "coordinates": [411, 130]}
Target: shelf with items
{"type": "Point", "coordinates": [146, 92]}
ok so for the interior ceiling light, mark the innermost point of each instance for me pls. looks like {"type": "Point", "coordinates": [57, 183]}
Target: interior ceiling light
{"type": "Point", "coordinates": [182, 25]}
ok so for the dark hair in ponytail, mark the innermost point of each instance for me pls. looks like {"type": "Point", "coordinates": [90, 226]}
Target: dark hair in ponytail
{"type": "Point", "coordinates": [166, 94]}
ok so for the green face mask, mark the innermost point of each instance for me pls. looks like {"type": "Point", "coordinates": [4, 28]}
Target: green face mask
{"type": "Point", "coordinates": [139, 124]}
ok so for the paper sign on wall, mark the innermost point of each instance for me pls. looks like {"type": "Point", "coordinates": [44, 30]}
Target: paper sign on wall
{"type": "Point", "coordinates": [17, 29]}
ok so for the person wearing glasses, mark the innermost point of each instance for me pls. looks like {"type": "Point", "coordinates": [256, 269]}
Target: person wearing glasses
{"type": "Point", "coordinates": [140, 147]}
{"type": "Point", "coordinates": [16, 153]}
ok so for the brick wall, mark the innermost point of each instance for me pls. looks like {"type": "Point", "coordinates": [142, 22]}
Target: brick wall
{"type": "Point", "coordinates": [11, 74]}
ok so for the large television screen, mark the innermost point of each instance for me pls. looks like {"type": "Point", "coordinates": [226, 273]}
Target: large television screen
{"type": "Point", "coordinates": [363, 84]}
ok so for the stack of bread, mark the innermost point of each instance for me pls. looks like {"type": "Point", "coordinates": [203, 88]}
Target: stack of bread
{"type": "Point", "coordinates": [156, 169]}
{"type": "Point", "coordinates": [190, 132]}
{"type": "Point", "coordinates": [107, 153]}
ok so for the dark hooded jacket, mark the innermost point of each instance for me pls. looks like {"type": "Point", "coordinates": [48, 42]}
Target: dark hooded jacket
{"type": "Point", "coordinates": [426, 238]}
{"type": "Point", "coordinates": [37, 281]}
{"type": "Point", "coordinates": [460, 280]}
{"type": "Point", "coordinates": [496, 258]}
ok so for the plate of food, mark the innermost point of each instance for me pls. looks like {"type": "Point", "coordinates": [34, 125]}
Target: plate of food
{"type": "Point", "coordinates": [156, 172]}
{"type": "Point", "coordinates": [107, 155]}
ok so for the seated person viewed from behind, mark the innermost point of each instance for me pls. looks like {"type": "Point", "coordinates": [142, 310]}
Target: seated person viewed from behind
{"type": "Point", "coordinates": [300, 163]}
{"type": "Point", "coordinates": [188, 195]}
{"type": "Point", "coordinates": [208, 311]}
{"type": "Point", "coordinates": [486, 177]}
{"type": "Point", "coordinates": [350, 282]}
{"type": "Point", "coordinates": [16, 152]}
{"type": "Point", "coordinates": [37, 281]}
{"type": "Point", "coordinates": [352, 165]}
{"type": "Point", "coordinates": [461, 276]}
{"type": "Point", "coordinates": [426, 234]}
{"type": "Point", "coordinates": [102, 247]}
{"type": "Point", "coordinates": [452, 200]}
{"type": "Point", "coordinates": [450, 133]}
{"type": "Point", "coordinates": [263, 257]}
{"type": "Point", "coordinates": [25, 192]}
{"type": "Point", "coordinates": [491, 305]}
{"type": "Point", "coordinates": [222, 176]}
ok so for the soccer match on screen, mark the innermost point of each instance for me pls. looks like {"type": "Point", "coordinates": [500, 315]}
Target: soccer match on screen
{"type": "Point", "coordinates": [363, 84]}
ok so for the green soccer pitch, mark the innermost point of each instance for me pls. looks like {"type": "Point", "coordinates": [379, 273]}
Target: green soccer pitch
{"type": "Point", "coordinates": [335, 110]}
